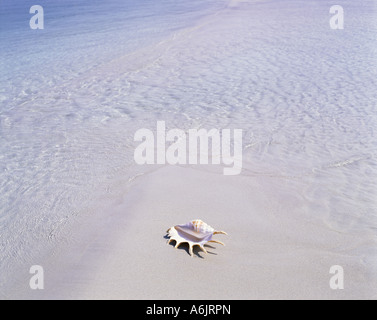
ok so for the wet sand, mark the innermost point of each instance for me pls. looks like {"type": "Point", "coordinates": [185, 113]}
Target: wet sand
{"type": "Point", "coordinates": [271, 251]}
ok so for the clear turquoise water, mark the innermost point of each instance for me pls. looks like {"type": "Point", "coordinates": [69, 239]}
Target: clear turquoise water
{"type": "Point", "coordinates": [62, 136]}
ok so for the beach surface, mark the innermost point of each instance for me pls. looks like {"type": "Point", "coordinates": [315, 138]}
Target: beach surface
{"type": "Point", "coordinates": [76, 203]}
{"type": "Point", "coordinates": [271, 252]}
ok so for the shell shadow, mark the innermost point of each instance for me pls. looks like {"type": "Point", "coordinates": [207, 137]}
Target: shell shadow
{"type": "Point", "coordinates": [197, 251]}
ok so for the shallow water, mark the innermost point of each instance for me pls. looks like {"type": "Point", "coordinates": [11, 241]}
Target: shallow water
{"type": "Point", "coordinates": [72, 98]}
{"type": "Point", "coordinates": [66, 114]}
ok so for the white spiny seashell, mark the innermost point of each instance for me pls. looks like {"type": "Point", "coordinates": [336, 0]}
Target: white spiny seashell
{"type": "Point", "coordinates": [195, 233]}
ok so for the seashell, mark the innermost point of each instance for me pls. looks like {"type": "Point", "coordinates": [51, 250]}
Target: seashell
{"type": "Point", "coordinates": [195, 233]}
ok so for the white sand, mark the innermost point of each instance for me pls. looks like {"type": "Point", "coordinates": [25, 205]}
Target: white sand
{"type": "Point", "coordinates": [271, 251]}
